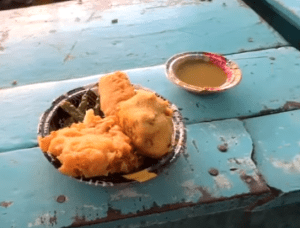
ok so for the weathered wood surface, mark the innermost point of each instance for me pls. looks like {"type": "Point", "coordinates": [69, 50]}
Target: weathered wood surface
{"type": "Point", "coordinates": [31, 188]}
{"type": "Point", "coordinates": [276, 142]}
{"type": "Point", "coordinates": [48, 44]}
{"type": "Point", "coordinates": [270, 80]}
{"type": "Point", "coordinates": [71, 40]}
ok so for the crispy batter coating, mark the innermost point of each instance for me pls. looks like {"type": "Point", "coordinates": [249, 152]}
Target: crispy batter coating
{"type": "Point", "coordinates": [114, 88]}
{"type": "Point", "coordinates": [147, 120]}
{"type": "Point", "coordinates": [137, 124]}
{"type": "Point", "coordinates": [96, 147]}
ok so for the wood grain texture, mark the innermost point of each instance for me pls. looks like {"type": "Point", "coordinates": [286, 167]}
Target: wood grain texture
{"type": "Point", "coordinates": [185, 189]}
{"type": "Point", "coordinates": [277, 143]}
{"type": "Point", "coordinates": [71, 40]}
{"type": "Point", "coordinates": [270, 80]}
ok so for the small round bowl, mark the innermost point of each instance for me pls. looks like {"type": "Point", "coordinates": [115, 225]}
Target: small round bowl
{"type": "Point", "coordinates": [55, 118]}
{"type": "Point", "coordinates": [231, 69]}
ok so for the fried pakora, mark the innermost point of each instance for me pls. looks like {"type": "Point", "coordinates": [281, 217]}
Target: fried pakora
{"type": "Point", "coordinates": [96, 147]}
{"type": "Point", "coordinates": [114, 88]}
{"type": "Point", "coordinates": [147, 120]}
{"type": "Point", "coordinates": [137, 124]}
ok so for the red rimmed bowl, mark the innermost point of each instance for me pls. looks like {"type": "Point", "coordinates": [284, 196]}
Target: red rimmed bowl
{"type": "Point", "coordinates": [230, 68]}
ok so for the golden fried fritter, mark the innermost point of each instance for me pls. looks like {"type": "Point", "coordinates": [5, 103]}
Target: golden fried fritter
{"type": "Point", "coordinates": [96, 147]}
{"type": "Point", "coordinates": [114, 88]}
{"type": "Point", "coordinates": [137, 124]}
{"type": "Point", "coordinates": [147, 120]}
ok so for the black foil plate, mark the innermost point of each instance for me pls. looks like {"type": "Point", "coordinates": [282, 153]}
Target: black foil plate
{"type": "Point", "coordinates": [55, 118]}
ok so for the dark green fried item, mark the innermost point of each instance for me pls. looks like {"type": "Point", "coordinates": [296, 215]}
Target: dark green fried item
{"type": "Point", "coordinates": [84, 103]}
{"type": "Point", "coordinates": [77, 115]}
{"type": "Point", "coordinates": [97, 107]}
{"type": "Point", "coordinates": [68, 122]}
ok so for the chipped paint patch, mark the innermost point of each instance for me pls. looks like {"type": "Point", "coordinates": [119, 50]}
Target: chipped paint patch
{"type": "Point", "coordinates": [249, 174]}
{"type": "Point", "coordinates": [255, 182]}
{"type": "Point", "coordinates": [245, 163]}
{"type": "Point", "coordinates": [92, 207]}
{"type": "Point", "coordinates": [222, 181]}
{"type": "Point", "coordinates": [196, 193]}
{"type": "Point", "coordinates": [291, 167]}
{"type": "Point", "coordinates": [291, 105]}
{"type": "Point", "coordinates": [2, 39]}
{"type": "Point", "coordinates": [126, 193]}
{"type": "Point", "coordinates": [191, 189]}
{"type": "Point", "coordinates": [6, 204]}
{"type": "Point", "coordinates": [45, 219]}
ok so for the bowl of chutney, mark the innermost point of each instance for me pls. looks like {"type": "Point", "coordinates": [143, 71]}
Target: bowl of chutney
{"type": "Point", "coordinates": [203, 72]}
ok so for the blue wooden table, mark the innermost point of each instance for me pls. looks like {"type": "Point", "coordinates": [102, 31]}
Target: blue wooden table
{"type": "Point", "coordinates": [46, 51]}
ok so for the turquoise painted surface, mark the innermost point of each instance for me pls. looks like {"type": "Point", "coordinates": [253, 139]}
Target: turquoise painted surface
{"type": "Point", "coordinates": [147, 34]}
{"type": "Point", "coordinates": [30, 185]}
{"type": "Point", "coordinates": [289, 9]}
{"type": "Point", "coordinates": [276, 141]}
{"type": "Point", "coordinates": [89, 45]}
{"type": "Point", "coordinates": [276, 144]}
{"type": "Point", "coordinates": [203, 141]}
{"type": "Point", "coordinates": [270, 79]}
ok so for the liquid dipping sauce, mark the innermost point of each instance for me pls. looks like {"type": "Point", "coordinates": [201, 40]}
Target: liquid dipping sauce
{"type": "Point", "coordinates": [200, 73]}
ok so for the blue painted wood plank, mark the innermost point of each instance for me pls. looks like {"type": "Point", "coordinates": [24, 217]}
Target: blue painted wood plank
{"type": "Point", "coordinates": [270, 80]}
{"type": "Point", "coordinates": [276, 141]}
{"type": "Point", "coordinates": [289, 9]}
{"type": "Point", "coordinates": [69, 42]}
{"type": "Point", "coordinates": [276, 144]}
{"type": "Point", "coordinates": [39, 193]}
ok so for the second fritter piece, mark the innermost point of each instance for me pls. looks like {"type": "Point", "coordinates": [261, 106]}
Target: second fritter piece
{"type": "Point", "coordinates": [96, 147]}
{"type": "Point", "coordinates": [147, 120]}
{"type": "Point", "coordinates": [114, 88]}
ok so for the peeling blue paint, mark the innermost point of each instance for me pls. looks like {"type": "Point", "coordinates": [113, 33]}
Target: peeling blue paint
{"type": "Point", "coordinates": [277, 145]}
{"type": "Point", "coordinates": [241, 158]}
{"type": "Point", "coordinates": [262, 76]}
{"type": "Point", "coordinates": [145, 35]}
{"type": "Point", "coordinates": [186, 183]}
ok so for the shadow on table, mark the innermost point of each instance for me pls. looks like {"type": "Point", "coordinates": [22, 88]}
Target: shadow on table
{"type": "Point", "coordinates": [286, 30]}
{"type": "Point", "coordinates": [286, 216]}
{"type": "Point", "coordinates": [15, 4]}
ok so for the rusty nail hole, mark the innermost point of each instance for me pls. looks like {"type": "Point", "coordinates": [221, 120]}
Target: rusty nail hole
{"type": "Point", "coordinates": [213, 172]}
{"type": "Point", "coordinates": [272, 58]}
{"type": "Point", "coordinates": [223, 147]}
{"type": "Point", "coordinates": [248, 179]}
{"type": "Point", "coordinates": [233, 169]}
{"type": "Point", "coordinates": [14, 82]}
{"type": "Point", "coordinates": [114, 21]}
{"type": "Point", "coordinates": [61, 199]}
